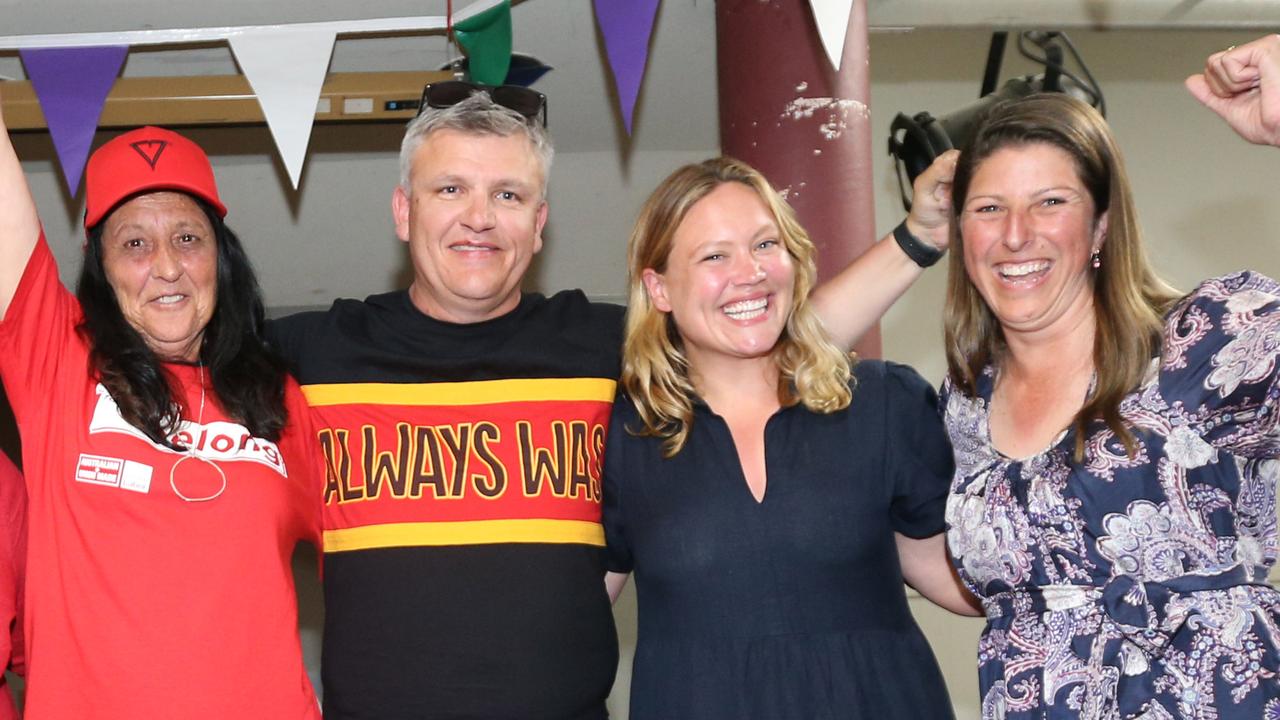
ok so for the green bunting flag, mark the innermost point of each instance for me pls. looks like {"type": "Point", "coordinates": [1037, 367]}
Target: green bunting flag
{"type": "Point", "coordinates": [486, 37]}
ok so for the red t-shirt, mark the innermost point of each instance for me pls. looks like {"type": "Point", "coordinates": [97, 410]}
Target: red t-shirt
{"type": "Point", "coordinates": [13, 558]}
{"type": "Point", "coordinates": [140, 604]}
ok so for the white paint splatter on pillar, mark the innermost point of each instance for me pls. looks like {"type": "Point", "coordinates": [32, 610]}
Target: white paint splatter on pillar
{"type": "Point", "coordinates": [836, 113]}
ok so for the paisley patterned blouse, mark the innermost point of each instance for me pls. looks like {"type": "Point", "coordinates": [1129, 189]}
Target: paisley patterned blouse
{"type": "Point", "coordinates": [1136, 586]}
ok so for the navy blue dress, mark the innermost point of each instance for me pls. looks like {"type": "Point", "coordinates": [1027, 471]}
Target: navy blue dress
{"type": "Point", "coordinates": [793, 607]}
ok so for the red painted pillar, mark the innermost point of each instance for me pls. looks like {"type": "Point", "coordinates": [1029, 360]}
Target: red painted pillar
{"type": "Point", "coordinates": [784, 110]}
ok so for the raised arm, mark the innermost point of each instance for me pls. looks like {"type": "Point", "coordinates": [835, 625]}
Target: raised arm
{"type": "Point", "coordinates": [1242, 85]}
{"type": "Point", "coordinates": [852, 301]}
{"type": "Point", "coordinates": [19, 224]}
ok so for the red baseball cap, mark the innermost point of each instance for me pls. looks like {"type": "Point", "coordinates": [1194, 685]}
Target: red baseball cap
{"type": "Point", "coordinates": [143, 160]}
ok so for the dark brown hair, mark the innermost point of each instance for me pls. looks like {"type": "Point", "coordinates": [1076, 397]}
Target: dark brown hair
{"type": "Point", "coordinates": [1129, 299]}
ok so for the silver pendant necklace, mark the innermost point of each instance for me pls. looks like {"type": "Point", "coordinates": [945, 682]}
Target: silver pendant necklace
{"type": "Point", "coordinates": [190, 454]}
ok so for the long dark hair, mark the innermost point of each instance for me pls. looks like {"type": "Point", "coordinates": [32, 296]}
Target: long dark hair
{"type": "Point", "coordinates": [248, 377]}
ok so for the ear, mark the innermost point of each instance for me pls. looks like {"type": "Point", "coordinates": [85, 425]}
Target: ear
{"type": "Point", "coordinates": [400, 204]}
{"type": "Point", "coordinates": [539, 222]}
{"type": "Point", "coordinates": [656, 286]}
{"type": "Point", "coordinates": [1100, 231]}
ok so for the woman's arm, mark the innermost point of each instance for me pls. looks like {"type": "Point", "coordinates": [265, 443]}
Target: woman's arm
{"type": "Point", "coordinates": [19, 224]}
{"type": "Point", "coordinates": [1242, 85]}
{"type": "Point", "coordinates": [926, 568]}
{"type": "Point", "coordinates": [852, 301]}
{"type": "Point", "coordinates": [613, 584]}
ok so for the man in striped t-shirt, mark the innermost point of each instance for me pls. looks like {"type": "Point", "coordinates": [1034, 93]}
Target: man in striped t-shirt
{"type": "Point", "coordinates": [463, 423]}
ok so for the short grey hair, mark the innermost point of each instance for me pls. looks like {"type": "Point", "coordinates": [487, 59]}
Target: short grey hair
{"type": "Point", "coordinates": [477, 115]}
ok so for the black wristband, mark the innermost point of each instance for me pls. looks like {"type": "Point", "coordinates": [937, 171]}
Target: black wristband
{"type": "Point", "coordinates": [920, 252]}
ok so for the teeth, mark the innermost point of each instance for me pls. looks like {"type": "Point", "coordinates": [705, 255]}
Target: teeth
{"type": "Point", "coordinates": [471, 248]}
{"type": "Point", "coordinates": [170, 299]}
{"type": "Point", "coordinates": [1022, 269]}
{"type": "Point", "coordinates": [746, 309]}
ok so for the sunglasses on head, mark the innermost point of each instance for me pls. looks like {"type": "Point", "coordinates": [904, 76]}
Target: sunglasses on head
{"type": "Point", "coordinates": [529, 103]}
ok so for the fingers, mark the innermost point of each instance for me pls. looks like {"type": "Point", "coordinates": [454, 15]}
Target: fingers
{"type": "Point", "coordinates": [930, 215]}
{"type": "Point", "coordinates": [938, 176]}
{"type": "Point", "coordinates": [1238, 70]}
{"type": "Point", "coordinates": [1242, 85]}
{"type": "Point", "coordinates": [944, 169]}
{"type": "Point", "coordinates": [945, 165]}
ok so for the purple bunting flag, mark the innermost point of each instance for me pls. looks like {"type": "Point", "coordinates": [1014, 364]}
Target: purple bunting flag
{"type": "Point", "coordinates": [626, 26]}
{"type": "Point", "coordinates": [72, 85]}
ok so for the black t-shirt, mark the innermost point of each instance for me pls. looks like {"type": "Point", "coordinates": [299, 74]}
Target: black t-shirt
{"type": "Point", "coordinates": [463, 566]}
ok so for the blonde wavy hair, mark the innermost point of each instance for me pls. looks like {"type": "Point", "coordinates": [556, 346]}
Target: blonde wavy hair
{"type": "Point", "coordinates": [655, 371]}
{"type": "Point", "coordinates": [1129, 298]}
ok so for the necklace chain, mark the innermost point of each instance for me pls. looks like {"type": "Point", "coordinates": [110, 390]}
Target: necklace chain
{"type": "Point", "coordinates": [188, 454]}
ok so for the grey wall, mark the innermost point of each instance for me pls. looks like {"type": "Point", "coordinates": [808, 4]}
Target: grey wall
{"type": "Point", "coordinates": [1205, 198]}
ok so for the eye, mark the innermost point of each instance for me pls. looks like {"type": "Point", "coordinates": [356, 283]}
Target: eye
{"type": "Point", "coordinates": [450, 190]}
{"type": "Point", "coordinates": [982, 209]}
{"type": "Point", "coordinates": [1052, 201]}
{"type": "Point", "coordinates": [711, 257]}
{"type": "Point", "coordinates": [769, 244]}
{"type": "Point", "coordinates": [508, 196]}
{"type": "Point", "coordinates": [134, 243]}
{"type": "Point", "coordinates": [187, 239]}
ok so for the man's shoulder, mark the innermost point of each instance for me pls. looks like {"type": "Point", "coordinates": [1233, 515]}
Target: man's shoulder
{"type": "Point", "coordinates": [571, 308]}
{"type": "Point", "coordinates": [347, 320]}
{"type": "Point", "coordinates": [342, 309]}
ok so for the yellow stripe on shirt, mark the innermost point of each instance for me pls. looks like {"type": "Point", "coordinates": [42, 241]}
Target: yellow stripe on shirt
{"type": "Point", "coordinates": [470, 532]}
{"type": "Point", "coordinates": [482, 392]}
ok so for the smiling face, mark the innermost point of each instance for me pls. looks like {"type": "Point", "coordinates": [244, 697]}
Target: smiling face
{"type": "Point", "coordinates": [728, 280]}
{"type": "Point", "coordinates": [1029, 227]}
{"type": "Point", "coordinates": [473, 219]}
{"type": "Point", "coordinates": [160, 256]}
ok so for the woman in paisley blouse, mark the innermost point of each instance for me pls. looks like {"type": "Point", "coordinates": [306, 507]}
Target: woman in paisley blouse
{"type": "Point", "coordinates": [1116, 443]}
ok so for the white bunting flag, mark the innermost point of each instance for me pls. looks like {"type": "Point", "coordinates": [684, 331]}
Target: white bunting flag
{"type": "Point", "coordinates": [832, 19]}
{"type": "Point", "coordinates": [286, 68]}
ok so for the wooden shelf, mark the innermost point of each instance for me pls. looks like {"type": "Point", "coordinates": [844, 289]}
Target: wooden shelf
{"type": "Point", "coordinates": [228, 99]}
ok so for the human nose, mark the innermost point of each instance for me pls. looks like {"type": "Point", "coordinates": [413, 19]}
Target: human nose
{"type": "Point", "coordinates": [479, 214]}
{"type": "Point", "coordinates": [166, 264]}
{"type": "Point", "coordinates": [1017, 230]}
{"type": "Point", "coordinates": [748, 270]}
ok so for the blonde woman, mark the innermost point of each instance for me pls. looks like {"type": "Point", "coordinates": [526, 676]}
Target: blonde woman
{"type": "Point", "coordinates": [769, 497]}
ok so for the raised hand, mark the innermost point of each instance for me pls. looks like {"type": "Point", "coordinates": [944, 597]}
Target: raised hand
{"type": "Point", "coordinates": [930, 218]}
{"type": "Point", "coordinates": [1242, 85]}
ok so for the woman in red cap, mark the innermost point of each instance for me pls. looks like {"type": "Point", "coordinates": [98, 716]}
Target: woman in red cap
{"type": "Point", "coordinates": [167, 453]}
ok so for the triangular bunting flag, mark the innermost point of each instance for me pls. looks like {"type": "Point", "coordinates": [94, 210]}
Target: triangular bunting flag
{"type": "Point", "coordinates": [626, 26]}
{"type": "Point", "coordinates": [525, 70]}
{"type": "Point", "coordinates": [286, 69]}
{"type": "Point", "coordinates": [72, 85]}
{"type": "Point", "coordinates": [486, 37]}
{"type": "Point", "coordinates": [832, 18]}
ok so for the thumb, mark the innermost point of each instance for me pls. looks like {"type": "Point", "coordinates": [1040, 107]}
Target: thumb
{"type": "Point", "coordinates": [1200, 90]}
{"type": "Point", "coordinates": [1198, 87]}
